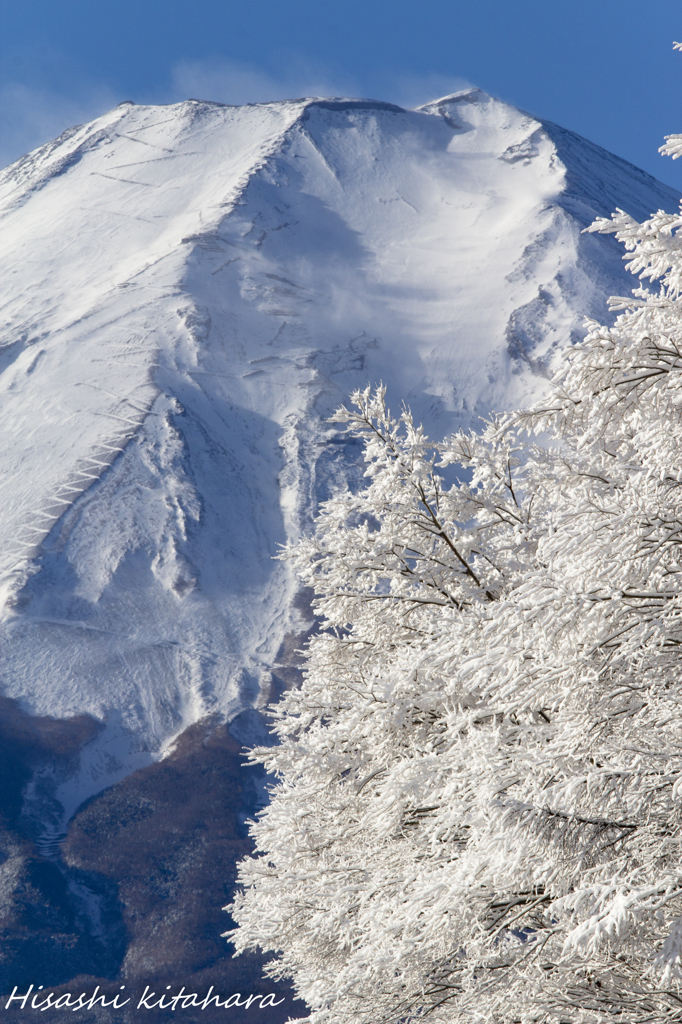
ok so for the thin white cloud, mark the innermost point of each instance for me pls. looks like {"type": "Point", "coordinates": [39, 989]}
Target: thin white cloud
{"type": "Point", "coordinates": [30, 117]}
{"type": "Point", "coordinates": [414, 90]}
{"type": "Point", "coordinates": [232, 82]}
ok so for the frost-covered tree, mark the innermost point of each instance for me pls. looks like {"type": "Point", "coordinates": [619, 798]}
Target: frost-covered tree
{"type": "Point", "coordinates": [478, 806]}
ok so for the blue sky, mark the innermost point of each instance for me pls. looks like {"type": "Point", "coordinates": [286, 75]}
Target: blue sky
{"type": "Point", "coordinates": [604, 68]}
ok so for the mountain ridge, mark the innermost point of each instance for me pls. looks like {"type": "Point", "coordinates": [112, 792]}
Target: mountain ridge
{"type": "Point", "coordinates": [206, 284]}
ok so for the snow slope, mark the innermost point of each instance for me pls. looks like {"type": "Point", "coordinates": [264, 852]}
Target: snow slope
{"type": "Point", "coordinates": [187, 292]}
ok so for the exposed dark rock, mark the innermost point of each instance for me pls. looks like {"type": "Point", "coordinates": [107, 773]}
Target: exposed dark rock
{"type": "Point", "coordinates": [41, 912]}
{"type": "Point", "coordinates": [28, 742]}
{"type": "Point", "coordinates": [135, 895]}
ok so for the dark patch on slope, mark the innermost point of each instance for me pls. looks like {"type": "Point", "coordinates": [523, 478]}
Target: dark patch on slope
{"type": "Point", "coordinates": [168, 838]}
{"type": "Point", "coordinates": [43, 923]}
{"type": "Point", "coordinates": [156, 854]}
{"type": "Point", "coordinates": [351, 105]}
{"type": "Point", "coordinates": [28, 742]}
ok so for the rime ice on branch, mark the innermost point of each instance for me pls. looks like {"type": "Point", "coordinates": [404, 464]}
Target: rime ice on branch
{"type": "Point", "coordinates": [479, 800]}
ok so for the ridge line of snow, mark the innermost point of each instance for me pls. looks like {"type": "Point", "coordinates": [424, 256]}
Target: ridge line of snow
{"type": "Point", "coordinates": [287, 254]}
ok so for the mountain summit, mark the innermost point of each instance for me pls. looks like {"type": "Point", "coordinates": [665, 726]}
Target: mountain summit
{"type": "Point", "coordinates": [188, 293]}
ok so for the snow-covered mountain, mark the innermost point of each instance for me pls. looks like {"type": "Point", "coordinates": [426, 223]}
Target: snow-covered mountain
{"type": "Point", "coordinates": [187, 293]}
